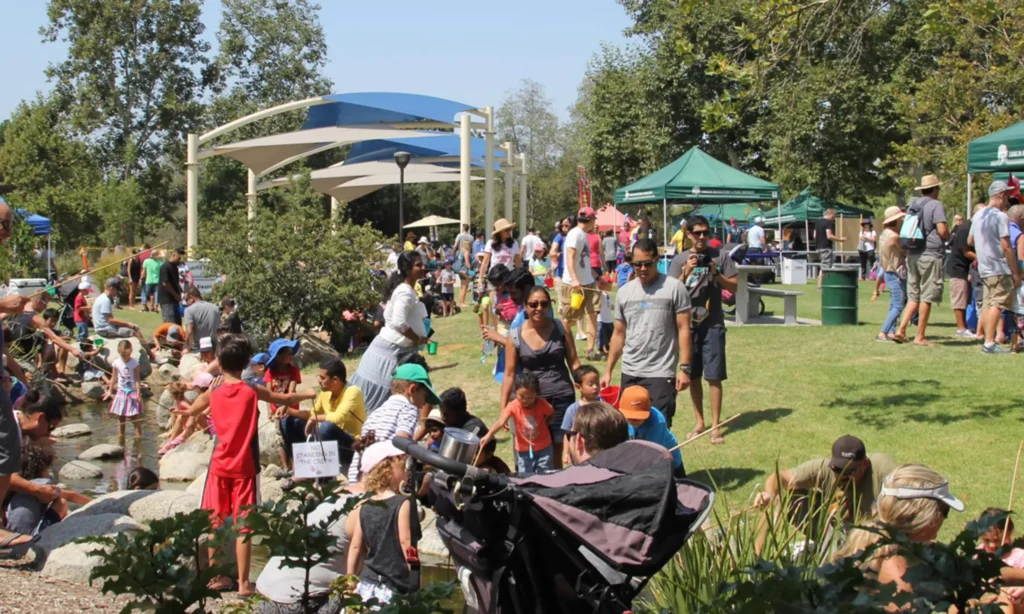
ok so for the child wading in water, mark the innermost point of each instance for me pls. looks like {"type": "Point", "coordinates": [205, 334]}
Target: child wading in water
{"type": "Point", "coordinates": [124, 388]}
{"type": "Point", "coordinates": [534, 452]}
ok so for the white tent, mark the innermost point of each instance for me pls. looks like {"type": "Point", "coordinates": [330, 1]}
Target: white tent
{"type": "Point", "coordinates": [361, 186]}
{"type": "Point", "coordinates": [432, 220]}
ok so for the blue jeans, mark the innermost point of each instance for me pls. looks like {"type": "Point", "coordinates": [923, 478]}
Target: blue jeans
{"type": "Point", "coordinates": [149, 291]}
{"type": "Point", "coordinates": [897, 298]}
{"type": "Point", "coordinates": [542, 461]}
{"type": "Point", "coordinates": [83, 331]}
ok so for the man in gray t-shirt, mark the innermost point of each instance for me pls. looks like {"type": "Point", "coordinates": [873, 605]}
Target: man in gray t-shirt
{"type": "Point", "coordinates": [997, 262]}
{"type": "Point", "coordinates": [201, 319]}
{"type": "Point", "coordinates": [652, 332]}
{"type": "Point", "coordinates": [924, 264]}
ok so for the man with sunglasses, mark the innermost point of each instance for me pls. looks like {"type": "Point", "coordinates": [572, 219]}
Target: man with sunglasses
{"type": "Point", "coordinates": [850, 476]}
{"type": "Point", "coordinates": [705, 272]}
{"type": "Point", "coordinates": [652, 332]}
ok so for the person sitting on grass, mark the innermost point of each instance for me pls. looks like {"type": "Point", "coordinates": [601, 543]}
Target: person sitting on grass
{"type": "Point", "coordinates": [534, 452]}
{"type": "Point", "coordinates": [588, 382]}
{"type": "Point", "coordinates": [648, 424]}
{"type": "Point", "coordinates": [27, 514]}
{"type": "Point", "coordinates": [231, 481]}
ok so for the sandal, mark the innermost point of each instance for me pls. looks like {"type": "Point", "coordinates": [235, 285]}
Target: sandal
{"type": "Point", "coordinates": [693, 434]}
{"type": "Point", "coordinates": [6, 546]}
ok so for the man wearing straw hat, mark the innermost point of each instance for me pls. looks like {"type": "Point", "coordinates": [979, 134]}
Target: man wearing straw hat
{"type": "Point", "coordinates": [924, 258]}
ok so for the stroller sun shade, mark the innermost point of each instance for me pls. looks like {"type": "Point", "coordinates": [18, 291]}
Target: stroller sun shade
{"type": "Point", "coordinates": [623, 505]}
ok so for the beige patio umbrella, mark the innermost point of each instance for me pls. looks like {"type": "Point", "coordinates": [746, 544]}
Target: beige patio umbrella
{"type": "Point", "coordinates": [432, 220]}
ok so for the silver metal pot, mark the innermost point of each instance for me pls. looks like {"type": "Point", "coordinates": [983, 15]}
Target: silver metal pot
{"type": "Point", "coordinates": [459, 445]}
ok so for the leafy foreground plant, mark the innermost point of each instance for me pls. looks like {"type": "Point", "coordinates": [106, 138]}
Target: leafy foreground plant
{"type": "Point", "coordinates": [161, 567]}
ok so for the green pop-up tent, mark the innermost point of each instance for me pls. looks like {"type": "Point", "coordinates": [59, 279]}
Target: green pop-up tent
{"type": "Point", "coordinates": [999, 152]}
{"type": "Point", "coordinates": [696, 178]}
{"type": "Point", "coordinates": [807, 206]}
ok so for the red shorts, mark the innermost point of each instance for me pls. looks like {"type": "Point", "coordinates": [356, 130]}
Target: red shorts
{"type": "Point", "coordinates": [228, 497]}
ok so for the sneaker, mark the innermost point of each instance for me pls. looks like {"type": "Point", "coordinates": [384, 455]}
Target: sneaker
{"type": "Point", "coordinates": [965, 334]}
{"type": "Point", "coordinates": [994, 349]}
{"type": "Point", "coordinates": [581, 336]}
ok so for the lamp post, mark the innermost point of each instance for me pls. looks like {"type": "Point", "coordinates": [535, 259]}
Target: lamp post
{"type": "Point", "coordinates": [402, 160]}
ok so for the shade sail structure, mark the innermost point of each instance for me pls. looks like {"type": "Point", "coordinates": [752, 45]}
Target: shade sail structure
{"type": "Point", "coordinates": [432, 220]}
{"type": "Point", "coordinates": [361, 186]}
{"type": "Point", "coordinates": [40, 225]}
{"type": "Point", "coordinates": [333, 176]}
{"type": "Point", "coordinates": [806, 206]}
{"type": "Point", "coordinates": [385, 107]}
{"type": "Point", "coordinates": [437, 146]}
{"type": "Point", "coordinates": [698, 178]}
{"type": "Point", "coordinates": [609, 218]}
{"type": "Point", "coordinates": [262, 153]}
{"type": "Point", "coordinates": [1000, 151]}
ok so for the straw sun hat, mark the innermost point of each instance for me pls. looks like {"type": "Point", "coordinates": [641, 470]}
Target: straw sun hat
{"type": "Point", "coordinates": [928, 182]}
{"type": "Point", "coordinates": [893, 214]}
{"type": "Point", "coordinates": [501, 225]}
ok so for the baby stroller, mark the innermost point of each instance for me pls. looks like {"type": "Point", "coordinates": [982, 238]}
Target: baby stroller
{"type": "Point", "coordinates": [65, 295]}
{"type": "Point", "coordinates": [583, 539]}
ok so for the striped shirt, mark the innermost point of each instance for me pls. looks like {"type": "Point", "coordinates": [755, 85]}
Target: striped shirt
{"type": "Point", "coordinates": [396, 415]}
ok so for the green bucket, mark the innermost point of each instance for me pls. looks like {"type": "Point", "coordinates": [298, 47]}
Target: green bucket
{"type": "Point", "coordinates": [432, 348]}
{"type": "Point", "coordinates": [839, 296]}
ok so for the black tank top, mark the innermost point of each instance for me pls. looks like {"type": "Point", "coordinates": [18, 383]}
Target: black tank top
{"type": "Point", "coordinates": [385, 561]}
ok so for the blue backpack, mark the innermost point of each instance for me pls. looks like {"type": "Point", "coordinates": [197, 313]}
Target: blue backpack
{"type": "Point", "coordinates": [913, 234]}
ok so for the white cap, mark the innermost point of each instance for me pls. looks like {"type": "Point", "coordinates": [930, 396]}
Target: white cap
{"type": "Point", "coordinates": [939, 493]}
{"type": "Point", "coordinates": [206, 344]}
{"type": "Point", "coordinates": [424, 240]}
{"type": "Point", "coordinates": [759, 220]}
{"type": "Point", "coordinates": [372, 456]}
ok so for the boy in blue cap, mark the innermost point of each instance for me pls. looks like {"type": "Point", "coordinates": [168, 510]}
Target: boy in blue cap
{"type": "Point", "coordinates": [258, 369]}
{"type": "Point", "coordinates": [283, 376]}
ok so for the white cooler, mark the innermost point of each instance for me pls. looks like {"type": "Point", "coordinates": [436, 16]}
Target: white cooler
{"type": "Point", "coordinates": [794, 272]}
{"type": "Point", "coordinates": [26, 287]}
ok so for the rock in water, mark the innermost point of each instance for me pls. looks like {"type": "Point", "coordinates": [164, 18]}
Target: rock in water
{"type": "Point", "coordinates": [166, 401]}
{"type": "Point", "coordinates": [188, 366]}
{"type": "Point", "coordinates": [80, 470]}
{"type": "Point", "coordinates": [196, 487]}
{"type": "Point", "coordinates": [183, 466]}
{"type": "Point", "coordinates": [71, 430]}
{"type": "Point", "coordinates": [93, 390]}
{"type": "Point", "coordinates": [103, 450]}
{"type": "Point", "coordinates": [59, 557]}
{"type": "Point", "coordinates": [160, 504]}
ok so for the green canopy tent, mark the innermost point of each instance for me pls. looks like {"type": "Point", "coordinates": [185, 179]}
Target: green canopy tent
{"type": "Point", "coordinates": [807, 206]}
{"type": "Point", "coordinates": [696, 178]}
{"type": "Point", "coordinates": [719, 215]}
{"type": "Point", "coordinates": [999, 152]}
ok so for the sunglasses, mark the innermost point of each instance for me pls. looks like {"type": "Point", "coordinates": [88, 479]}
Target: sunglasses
{"type": "Point", "coordinates": [538, 304]}
{"type": "Point", "coordinates": [699, 233]}
{"type": "Point", "coordinates": [643, 264]}
{"type": "Point", "coordinates": [571, 434]}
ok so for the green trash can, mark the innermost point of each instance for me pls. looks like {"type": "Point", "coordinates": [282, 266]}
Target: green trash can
{"type": "Point", "coordinates": [839, 294]}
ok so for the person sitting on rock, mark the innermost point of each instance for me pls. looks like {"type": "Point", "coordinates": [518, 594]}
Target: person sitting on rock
{"type": "Point", "coordinates": [25, 513]}
{"type": "Point", "coordinates": [168, 336]}
{"type": "Point", "coordinates": [34, 339]}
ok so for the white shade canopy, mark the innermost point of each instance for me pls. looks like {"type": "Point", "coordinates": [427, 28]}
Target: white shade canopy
{"type": "Point", "coordinates": [432, 220]}
{"type": "Point", "coordinates": [361, 186]}
{"type": "Point", "coordinates": [333, 176]}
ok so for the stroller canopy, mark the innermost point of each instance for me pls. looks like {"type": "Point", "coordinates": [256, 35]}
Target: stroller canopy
{"type": "Point", "coordinates": [624, 505]}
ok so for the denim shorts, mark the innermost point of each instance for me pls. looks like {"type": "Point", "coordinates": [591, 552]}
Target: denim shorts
{"type": "Point", "coordinates": [541, 461]}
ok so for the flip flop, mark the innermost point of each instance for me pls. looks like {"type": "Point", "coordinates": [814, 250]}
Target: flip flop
{"type": "Point", "coordinates": [5, 544]}
{"type": "Point", "coordinates": [693, 434]}
{"type": "Point", "coordinates": [230, 587]}
{"type": "Point", "coordinates": [898, 338]}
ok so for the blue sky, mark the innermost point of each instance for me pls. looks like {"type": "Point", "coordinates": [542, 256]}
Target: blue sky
{"type": "Point", "coordinates": [472, 52]}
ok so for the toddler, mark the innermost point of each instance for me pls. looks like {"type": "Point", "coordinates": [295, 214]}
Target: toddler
{"type": "Point", "coordinates": [605, 323]}
{"type": "Point", "coordinates": [588, 382]}
{"type": "Point", "coordinates": [534, 452]}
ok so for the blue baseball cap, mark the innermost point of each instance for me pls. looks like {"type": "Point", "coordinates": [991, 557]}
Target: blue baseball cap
{"type": "Point", "coordinates": [260, 359]}
{"type": "Point", "coordinates": [279, 345]}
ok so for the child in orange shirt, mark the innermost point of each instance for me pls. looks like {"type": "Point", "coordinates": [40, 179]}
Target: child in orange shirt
{"type": "Point", "coordinates": [534, 452]}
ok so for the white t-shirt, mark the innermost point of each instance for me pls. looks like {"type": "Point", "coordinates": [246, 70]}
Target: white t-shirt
{"type": "Point", "coordinates": [404, 312]}
{"type": "Point", "coordinates": [988, 227]}
{"type": "Point", "coordinates": [530, 243]}
{"type": "Point", "coordinates": [285, 584]}
{"type": "Point", "coordinates": [867, 241]}
{"type": "Point", "coordinates": [502, 255]}
{"type": "Point", "coordinates": [605, 315]}
{"type": "Point", "coordinates": [755, 237]}
{"type": "Point", "coordinates": [577, 240]}
{"type": "Point", "coordinates": [392, 262]}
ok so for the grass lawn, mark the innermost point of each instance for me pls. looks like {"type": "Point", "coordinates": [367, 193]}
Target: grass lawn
{"type": "Point", "coordinates": [799, 388]}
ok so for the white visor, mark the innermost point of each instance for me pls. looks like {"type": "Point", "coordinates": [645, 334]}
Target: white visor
{"type": "Point", "coordinates": [939, 493]}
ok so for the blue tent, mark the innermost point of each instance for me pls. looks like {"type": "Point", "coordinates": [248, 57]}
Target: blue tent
{"type": "Point", "coordinates": [40, 225]}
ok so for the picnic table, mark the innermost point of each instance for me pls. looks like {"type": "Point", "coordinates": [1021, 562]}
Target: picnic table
{"type": "Point", "coordinates": [745, 307]}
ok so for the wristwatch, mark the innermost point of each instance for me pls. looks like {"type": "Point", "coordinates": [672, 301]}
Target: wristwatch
{"type": "Point", "coordinates": [685, 369]}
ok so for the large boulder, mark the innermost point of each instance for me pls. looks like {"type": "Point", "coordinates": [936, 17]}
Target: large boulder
{"type": "Point", "coordinates": [93, 390]}
{"type": "Point", "coordinates": [168, 372]}
{"type": "Point", "coordinates": [102, 451]}
{"type": "Point", "coordinates": [159, 504]}
{"type": "Point", "coordinates": [188, 366]}
{"type": "Point", "coordinates": [201, 443]}
{"type": "Point", "coordinates": [197, 485]}
{"type": "Point", "coordinates": [58, 557]}
{"type": "Point", "coordinates": [80, 470]}
{"type": "Point", "coordinates": [183, 466]}
{"type": "Point", "coordinates": [270, 442]}
{"type": "Point", "coordinates": [312, 350]}
{"type": "Point", "coordinates": [71, 430]}
{"type": "Point", "coordinates": [165, 401]}
{"type": "Point", "coordinates": [117, 502]}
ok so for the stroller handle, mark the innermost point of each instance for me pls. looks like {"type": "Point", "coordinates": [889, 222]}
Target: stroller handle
{"type": "Point", "coordinates": [453, 467]}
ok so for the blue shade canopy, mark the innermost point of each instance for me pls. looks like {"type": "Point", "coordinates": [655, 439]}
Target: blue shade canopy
{"type": "Point", "coordinates": [382, 107]}
{"type": "Point", "coordinates": [441, 146]}
{"type": "Point", "coordinates": [40, 225]}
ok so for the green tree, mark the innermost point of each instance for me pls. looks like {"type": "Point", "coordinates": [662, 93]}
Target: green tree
{"type": "Point", "coordinates": [132, 82]}
{"type": "Point", "coordinates": [47, 171]}
{"type": "Point", "coordinates": [269, 52]}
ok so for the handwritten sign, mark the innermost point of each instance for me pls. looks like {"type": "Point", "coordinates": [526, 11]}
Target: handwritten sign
{"type": "Point", "coordinates": [316, 459]}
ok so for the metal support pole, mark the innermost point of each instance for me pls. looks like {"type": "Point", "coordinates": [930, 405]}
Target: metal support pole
{"type": "Point", "coordinates": [401, 202]}
{"type": "Point", "coordinates": [250, 194]}
{"type": "Point", "coordinates": [509, 182]}
{"type": "Point", "coordinates": [192, 192]}
{"type": "Point", "coordinates": [335, 209]}
{"type": "Point", "coordinates": [464, 176]}
{"type": "Point", "coordinates": [523, 218]}
{"type": "Point", "coordinates": [664, 221]}
{"type": "Point", "coordinates": [489, 170]}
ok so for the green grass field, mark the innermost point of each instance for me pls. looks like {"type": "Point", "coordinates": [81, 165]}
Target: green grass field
{"type": "Point", "coordinates": [799, 388]}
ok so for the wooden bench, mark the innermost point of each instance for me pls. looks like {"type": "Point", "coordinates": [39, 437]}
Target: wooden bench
{"type": "Point", "coordinates": [788, 296]}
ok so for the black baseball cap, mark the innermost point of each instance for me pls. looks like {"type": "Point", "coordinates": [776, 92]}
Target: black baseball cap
{"type": "Point", "coordinates": [847, 449]}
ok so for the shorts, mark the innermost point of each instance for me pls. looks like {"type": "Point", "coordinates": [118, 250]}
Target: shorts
{"type": "Point", "coordinates": [924, 279]}
{"type": "Point", "coordinates": [661, 389]}
{"type": "Point", "coordinates": [596, 272]}
{"type": "Point", "coordinates": [959, 293]}
{"type": "Point", "coordinates": [610, 265]}
{"type": "Point", "coordinates": [591, 302]}
{"type": "Point", "coordinates": [83, 331]}
{"type": "Point", "coordinates": [447, 296]}
{"type": "Point", "coordinates": [560, 405]}
{"type": "Point", "coordinates": [121, 332]}
{"type": "Point", "coordinates": [169, 313]}
{"type": "Point", "coordinates": [827, 258]}
{"type": "Point", "coordinates": [998, 292]}
{"type": "Point", "coordinates": [536, 462]}
{"type": "Point", "coordinates": [228, 497]}
{"type": "Point", "coordinates": [707, 354]}
{"type": "Point", "coordinates": [149, 291]}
